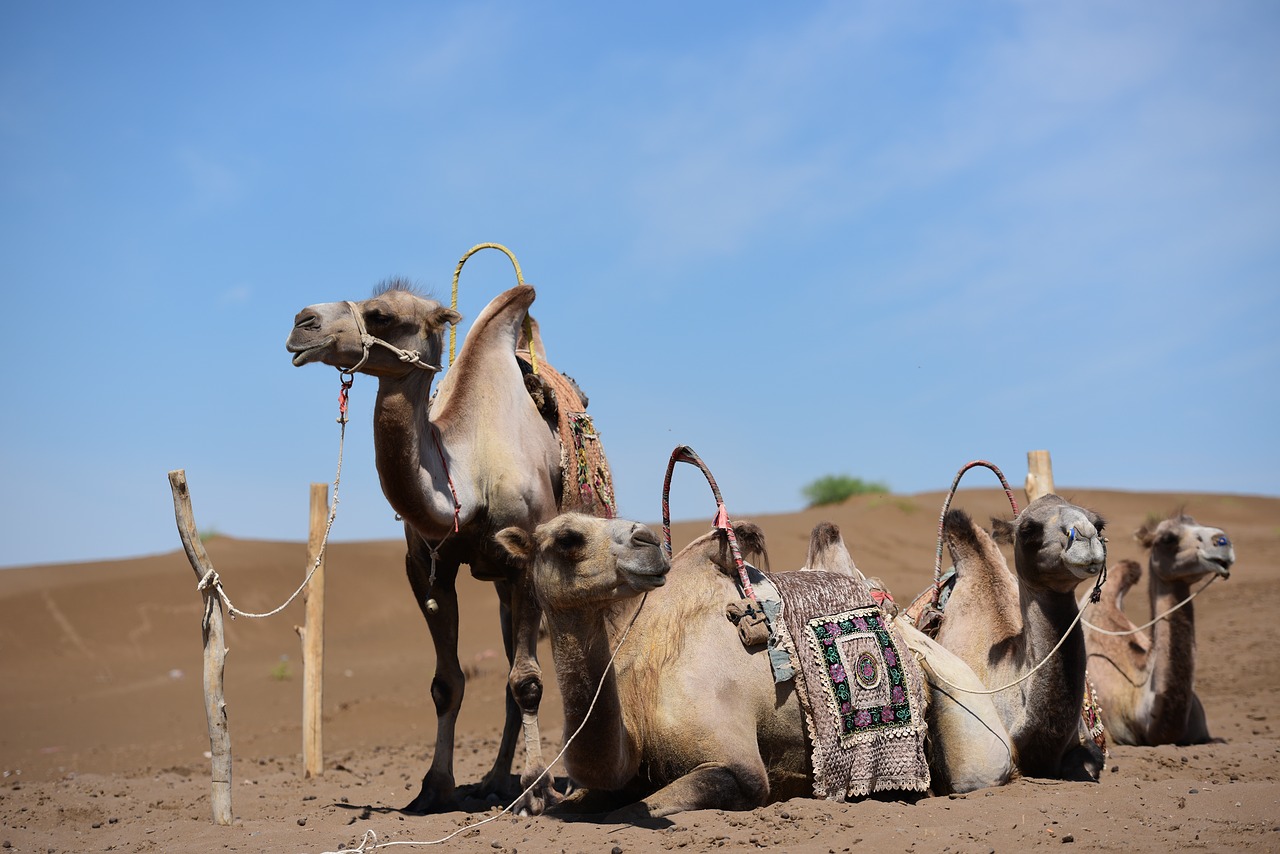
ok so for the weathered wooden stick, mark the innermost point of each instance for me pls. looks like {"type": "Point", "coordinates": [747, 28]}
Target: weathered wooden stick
{"type": "Point", "coordinates": [1039, 475]}
{"type": "Point", "coordinates": [312, 634]}
{"type": "Point", "coordinates": [215, 649]}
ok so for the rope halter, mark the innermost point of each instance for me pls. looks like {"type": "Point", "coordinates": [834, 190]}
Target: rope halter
{"type": "Point", "coordinates": [367, 341]}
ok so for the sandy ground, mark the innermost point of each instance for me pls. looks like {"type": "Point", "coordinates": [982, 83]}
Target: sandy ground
{"type": "Point", "coordinates": [103, 742]}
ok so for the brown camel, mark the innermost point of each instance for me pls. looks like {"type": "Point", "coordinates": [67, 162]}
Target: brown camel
{"type": "Point", "coordinates": [1004, 627]}
{"type": "Point", "coordinates": [687, 717]}
{"type": "Point", "coordinates": [478, 458]}
{"type": "Point", "coordinates": [1146, 683]}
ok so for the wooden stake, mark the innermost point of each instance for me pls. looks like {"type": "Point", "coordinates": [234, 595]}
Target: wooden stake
{"type": "Point", "coordinates": [1039, 475]}
{"type": "Point", "coordinates": [312, 634]}
{"type": "Point", "coordinates": [215, 650]}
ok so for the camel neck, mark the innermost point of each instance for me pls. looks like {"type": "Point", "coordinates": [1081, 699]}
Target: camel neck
{"type": "Point", "coordinates": [602, 755]}
{"type": "Point", "coordinates": [1171, 664]}
{"type": "Point", "coordinates": [410, 455]}
{"type": "Point", "coordinates": [1047, 616]}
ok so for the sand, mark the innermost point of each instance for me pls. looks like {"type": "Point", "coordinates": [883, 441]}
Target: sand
{"type": "Point", "coordinates": [103, 741]}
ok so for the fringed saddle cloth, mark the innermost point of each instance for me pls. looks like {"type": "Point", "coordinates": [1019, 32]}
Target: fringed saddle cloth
{"type": "Point", "coordinates": [588, 483]}
{"type": "Point", "coordinates": [861, 689]}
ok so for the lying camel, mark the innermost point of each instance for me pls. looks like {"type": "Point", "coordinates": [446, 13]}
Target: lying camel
{"type": "Point", "coordinates": [1146, 683]}
{"type": "Point", "coordinates": [1004, 627]}
{"type": "Point", "coordinates": [687, 717]}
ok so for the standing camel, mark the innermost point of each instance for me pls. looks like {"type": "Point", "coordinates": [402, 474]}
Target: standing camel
{"type": "Point", "coordinates": [1004, 627]}
{"type": "Point", "coordinates": [687, 717]}
{"type": "Point", "coordinates": [1146, 683]}
{"type": "Point", "coordinates": [478, 458]}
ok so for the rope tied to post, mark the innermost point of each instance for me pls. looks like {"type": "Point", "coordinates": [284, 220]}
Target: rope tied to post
{"type": "Point", "coordinates": [211, 581]}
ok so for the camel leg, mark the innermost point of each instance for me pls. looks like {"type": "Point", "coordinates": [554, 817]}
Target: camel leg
{"type": "Point", "coordinates": [447, 687]}
{"type": "Point", "coordinates": [522, 619]}
{"type": "Point", "coordinates": [495, 782]}
{"type": "Point", "coordinates": [711, 785]}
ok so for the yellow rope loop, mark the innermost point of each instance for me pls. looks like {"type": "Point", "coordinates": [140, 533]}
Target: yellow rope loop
{"type": "Point", "coordinates": [528, 324]}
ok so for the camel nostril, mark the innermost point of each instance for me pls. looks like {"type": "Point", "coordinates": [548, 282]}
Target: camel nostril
{"type": "Point", "coordinates": [306, 320]}
{"type": "Point", "coordinates": [642, 536]}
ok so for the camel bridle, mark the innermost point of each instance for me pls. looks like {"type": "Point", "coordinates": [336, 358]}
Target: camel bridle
{"type": "Point", "coordinates": [367, 341]}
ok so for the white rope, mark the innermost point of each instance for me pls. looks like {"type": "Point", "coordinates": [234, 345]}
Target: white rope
{"type": "Point", "coordinates": [1151, 622]}
{"type": "Point", "coordinates": [1079, 614]}
{"type": "Point", "coordinates": [211, 578]}
{"type": "Point", "coordinates": [369, 841]}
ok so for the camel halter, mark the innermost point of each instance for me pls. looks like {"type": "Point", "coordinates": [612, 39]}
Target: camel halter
{"type": "Point", "coordinates": [367, 341]}
{"type": "Point", "coordinates": [685, 454]}
{"type": "Point", "coordinates": [528, 322]}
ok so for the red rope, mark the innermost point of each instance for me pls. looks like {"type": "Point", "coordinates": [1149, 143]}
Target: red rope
{"type": "Point", "coordinates": [685, 454]}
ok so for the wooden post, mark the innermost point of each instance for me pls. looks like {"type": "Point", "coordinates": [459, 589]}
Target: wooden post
{"type": "Point", "coordinates": [312, 635]}
{"type": "Point", "coordinates": [1039, 475]}
{"type": "Point", "coordinates": [215, 650]}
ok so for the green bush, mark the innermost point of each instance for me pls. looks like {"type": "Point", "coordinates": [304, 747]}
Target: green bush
{"type": "Point", "coordinates": [835, 488]}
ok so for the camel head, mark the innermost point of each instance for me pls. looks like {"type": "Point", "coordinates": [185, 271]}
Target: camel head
{"type": "Point", "coordinates": [578, 561]}
{"type": "Point", "coordinates": [1182, 550]}
{"type": "Point", "coordinates": [372, 335]}
{"type": "Point", "coordinates": [1056, 544]}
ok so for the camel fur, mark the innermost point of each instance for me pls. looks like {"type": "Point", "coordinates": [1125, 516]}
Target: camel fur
{"type": "Point", "coordinates": [483, 440]}
{"type": "Point", "coordinates": [1146, 682]}
{"type": "Point", "coordinates": [687, 717]}
{"type": "Point", "coordinates": [1005, 625]}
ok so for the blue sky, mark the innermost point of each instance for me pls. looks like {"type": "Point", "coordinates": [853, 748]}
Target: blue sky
{"type": "Point", "coordinates": [879, 239]}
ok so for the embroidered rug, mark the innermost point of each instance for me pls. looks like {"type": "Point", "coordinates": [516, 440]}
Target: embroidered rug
{"type": "Point", "coordinates": [588, 483]}
{"type": "Point", "coordinates": [861, 689]}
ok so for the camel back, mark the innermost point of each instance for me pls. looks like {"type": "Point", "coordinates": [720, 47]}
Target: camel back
{"type": "Point", "coordinates": [587, 481]}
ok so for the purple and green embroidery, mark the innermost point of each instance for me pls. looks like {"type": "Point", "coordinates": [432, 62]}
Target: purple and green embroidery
{"type": "Point", "coordinates": [867, 672]}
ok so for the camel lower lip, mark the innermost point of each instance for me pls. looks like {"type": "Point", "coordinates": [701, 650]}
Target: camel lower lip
{"type": "Point", "coordinates": [310, 354]}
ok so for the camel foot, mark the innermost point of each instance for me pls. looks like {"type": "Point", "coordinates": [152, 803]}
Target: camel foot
{"type": "Point", "coordinates": [436, 795]}
{"type": "Point", "coordinates": [537, 798]}
{"type": "Point", "coordinates": [1083, 764]}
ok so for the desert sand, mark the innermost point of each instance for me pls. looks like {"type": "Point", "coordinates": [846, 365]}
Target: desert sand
{"type": "Point", "coordinates": [103, 741]}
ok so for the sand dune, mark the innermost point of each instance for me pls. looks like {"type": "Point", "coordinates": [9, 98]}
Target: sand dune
{"type": "Point", "coordinates": [103, 738]}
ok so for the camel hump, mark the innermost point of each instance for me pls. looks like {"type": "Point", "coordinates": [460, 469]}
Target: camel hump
{"type": "Point", "coordinates": [827, 551]}
{"type": "Point", "coordinates": [1128, 573]}
{"type": "Point", "coordinates": [751, 543]}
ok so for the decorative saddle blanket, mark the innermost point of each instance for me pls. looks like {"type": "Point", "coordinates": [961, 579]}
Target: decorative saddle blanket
{"type": "Point", "coordinates": [861, 689]}
{"type": "Point", "coordinates": [588, 483]}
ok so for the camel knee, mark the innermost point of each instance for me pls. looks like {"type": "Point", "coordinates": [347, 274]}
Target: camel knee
{"type": "Point", "coordinates": [527, 691]}
{"type": "Point", "coordinates": [446, 694]}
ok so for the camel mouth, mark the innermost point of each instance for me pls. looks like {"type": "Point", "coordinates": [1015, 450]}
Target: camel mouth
{"type": "Point", "coordinates": [1085, 570]}
{"type": "Point", "coordinates": [646, 581]}
{"type": "Point", "coordinates": [1220, 565]}
{"type": "Point", "coordinates": [312, 353]}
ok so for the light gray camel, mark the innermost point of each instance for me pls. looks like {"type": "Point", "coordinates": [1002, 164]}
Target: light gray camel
{"type": "Point", "coordinates": [478, 458]}
{"type": "Point", "coordinates": [1146, 683]}
{"type": "Point", "coordinates": [688, 718]}
{"type": "Point", "coordinates": [1004, 627]}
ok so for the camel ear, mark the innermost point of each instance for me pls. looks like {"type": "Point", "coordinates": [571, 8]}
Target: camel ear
{"type": "Point", "coordinates": [442, 316]}
{"type": "Point", "coordinates": [1002, 531]}
{"type": "Point", "coordinates": [1146, 535]}
{"type": "Point", "coordinates": [518, 544]}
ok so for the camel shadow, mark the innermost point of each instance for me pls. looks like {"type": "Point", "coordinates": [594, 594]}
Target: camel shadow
{"type": "Point", "coordinates": [467, 799]}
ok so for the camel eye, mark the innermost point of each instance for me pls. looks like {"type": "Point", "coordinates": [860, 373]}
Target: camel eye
{"type": "Point", "coordinates": [376, 318]}
{"type": "Point", "coordinates": [569, 540]}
